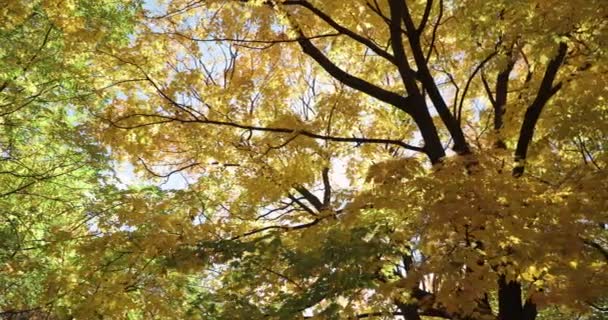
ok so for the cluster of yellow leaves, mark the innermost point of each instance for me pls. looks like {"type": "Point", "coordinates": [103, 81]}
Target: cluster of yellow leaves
{"type": "Point", "coordinates": [221, 93]}
{"type": "Point", "coordinates": [480, 223]}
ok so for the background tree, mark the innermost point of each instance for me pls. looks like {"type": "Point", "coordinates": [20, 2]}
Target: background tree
{"type": "Point", "coordinates": [50, 167]}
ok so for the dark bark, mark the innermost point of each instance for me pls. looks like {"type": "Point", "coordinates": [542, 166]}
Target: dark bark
{"type": "Point", "coordinates": [425, 16]}
{"type": "Point", "coordinates": [499, 104]}
{"type": "Point", "coordinates": [545, 92]}
{"type": "Point", "coordinates": [326, 187]}
{"type": "Point", "coordinates": [510, 305]}
{"type": "Point", "coordinates": [159, 119]}
{"type": "Point", "coordinates": [311, 198]}
{"type": "Point", "coordinates": [502, 86]}
{"type": "Point", "coordinates": [509, 300]}
{"type": "Point", "coordinates": [432, 144]}
{"type": "Point", "coordinates": [405, 71]}
{"type": "Point", "coordinates": [529, 311]}
{"type": "Point", "coordinates": [356, 83]}
{"type": "Point", "coordinates": [433, 147]}
{"type": "Point", "coordinates": [425, 76]}
{"type": "Point", "coordinates": [413, 105]}
{"type": "Point", "coordinates": [351, 34]}
{"type": "Point", "coordinates": [409, 311]}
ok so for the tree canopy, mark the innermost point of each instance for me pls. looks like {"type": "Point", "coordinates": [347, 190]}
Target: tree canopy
{"type": "Point", "coordinates": [381, 159]}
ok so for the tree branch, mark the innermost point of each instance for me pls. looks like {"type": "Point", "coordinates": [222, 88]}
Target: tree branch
{"type": "Point", "coordinates": [365, 41]}
{"type": "Point", "coordinates": [500, 102]}
{"type": "Point", "coordinates": [167, 119]}
{"type": "Point", "coordinates": [354, 82]}
{"type": "Point", "coordinates": [326, 187]}
{"type": "Point", "coordinates": [603, 251]}
{"type": "Point", "coordinates": [425, 16]}
{"type": "Point", "coordinates": [405, 71]}
{"type": "Point", "coordinates": [545, 92]}
{"type": "Point", "coordinates": [425, 76]}
{"type": "Point", "coordinates": [466, 87]}
{"type": "Point", "coordinates": [311, 198]}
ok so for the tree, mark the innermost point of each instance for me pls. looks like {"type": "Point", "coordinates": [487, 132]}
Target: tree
{"type": "Point", "coordinates": [51, 169]}
{"type": "Point", "coordinates": [261, 103]}
{"type": "Point", "coordinates": [353, 159]}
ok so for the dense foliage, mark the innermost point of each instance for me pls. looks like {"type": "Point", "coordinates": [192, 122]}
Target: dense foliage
{"type": "Point", "coordinates": [304, 159]}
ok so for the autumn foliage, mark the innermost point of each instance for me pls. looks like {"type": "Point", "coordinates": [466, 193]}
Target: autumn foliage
{"type": "Point", "coordinates": [291, 159]}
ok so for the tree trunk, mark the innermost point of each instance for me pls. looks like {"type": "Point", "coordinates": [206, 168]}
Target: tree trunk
{"type": "Point", "coordinates": [510, 305]}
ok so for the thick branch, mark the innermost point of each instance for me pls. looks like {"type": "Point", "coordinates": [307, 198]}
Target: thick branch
{"type": "Point", "coordinates": [409, 311]}
{"type": "Point", "coordinates": [419, 109]}
{"type": "Point", "coordinates": [545, 92]}
{"type": "Point", "coordinates": [425, 16]}
{"type": "Point", "coordinates": [425, 76]}
{"type": "Point", "coordinates": [509, 300]}
{"type": "Point", "coordinates": [529, 311]}
{"type": "Point", "coordinates": [365, 41]}
{"type": "Point", "coordinates": [311, 198]}
{"type": "Point", "coordinates": [350, 80]}
{"type": "Point", "coordinates": [326, 187]}
{"type": "Point", "coordinates": [405, 71]}
{"type": "Point", "coordinates": [510, 305]}
{"type": "Point", "coordinates": [410, 104]}
{"type": "Point", "coordinates": [500, 102]}
{"type": "Point", "coordinates": [502, 87]}
{"type": "Point", "coordinates": [302, 205]}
